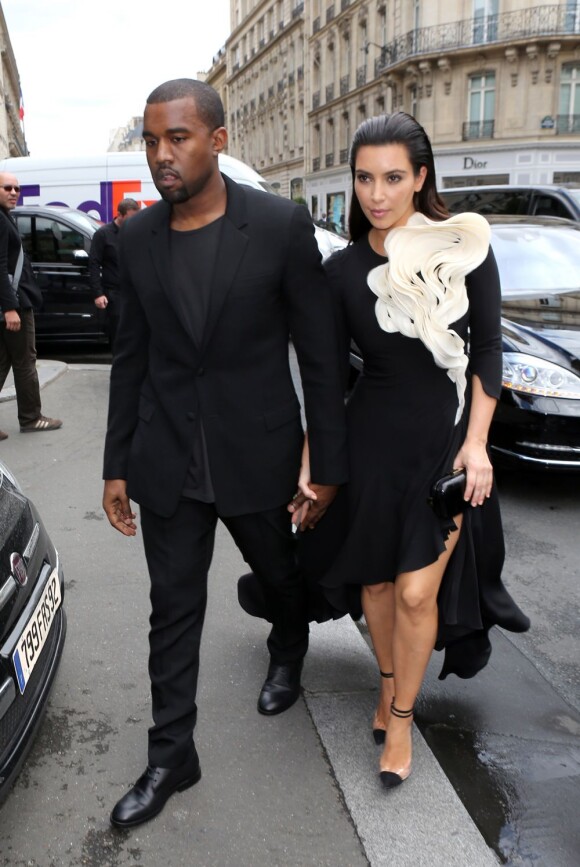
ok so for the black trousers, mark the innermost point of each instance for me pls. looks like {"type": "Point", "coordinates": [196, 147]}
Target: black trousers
{"type": "Point", "coordinates": [18, 351]}
{"type": "Point", "coordinates": [179, 552]}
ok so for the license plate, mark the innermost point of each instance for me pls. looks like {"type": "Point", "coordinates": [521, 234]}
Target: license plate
{"type": "Point", "coordinates": [36, 631]}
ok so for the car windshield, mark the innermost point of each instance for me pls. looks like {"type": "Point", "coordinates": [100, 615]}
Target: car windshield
{"type": "Point", "coordinates": [84, 221]}
{"type": "Point", "coordinates": [539, 269]}
{"type": "Point", "coordinates": [574, 194]}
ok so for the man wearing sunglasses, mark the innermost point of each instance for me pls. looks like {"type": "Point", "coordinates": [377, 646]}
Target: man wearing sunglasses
{"type": "Point", "coordinates": [19, 294]}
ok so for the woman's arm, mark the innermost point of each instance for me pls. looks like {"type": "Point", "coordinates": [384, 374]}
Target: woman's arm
{"type": "Point", "coordinates": [473, 453]}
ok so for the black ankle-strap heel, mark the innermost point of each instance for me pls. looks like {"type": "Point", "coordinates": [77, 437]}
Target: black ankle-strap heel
{"type": "Point", "coordinates": [380, 735]}
{"type": "Point", "coordinates": [390, 779]}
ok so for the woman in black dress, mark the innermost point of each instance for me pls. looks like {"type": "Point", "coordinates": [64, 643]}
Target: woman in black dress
{"type": "Point", "coordinates": [407, 288]}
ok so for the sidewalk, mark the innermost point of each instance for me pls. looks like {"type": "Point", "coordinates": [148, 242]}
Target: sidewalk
{"type": "Point", "coordinates": [48, 371]}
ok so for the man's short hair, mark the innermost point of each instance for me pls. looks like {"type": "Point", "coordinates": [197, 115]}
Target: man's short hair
{"type": "Point", "coordinates": [207, 101]}
{"type": "Point", "coordinates": [127, 205]}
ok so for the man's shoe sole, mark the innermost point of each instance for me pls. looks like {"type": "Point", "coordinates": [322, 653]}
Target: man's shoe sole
{"type": "Point", "coordinates": [187, 784]}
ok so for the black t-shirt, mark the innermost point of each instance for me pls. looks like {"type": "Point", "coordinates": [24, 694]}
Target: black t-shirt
{"type": "Point", "coordinates": [193, 258]}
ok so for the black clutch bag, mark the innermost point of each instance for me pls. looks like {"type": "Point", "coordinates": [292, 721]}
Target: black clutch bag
{"type": "Point", "coordinates": [447, 494]}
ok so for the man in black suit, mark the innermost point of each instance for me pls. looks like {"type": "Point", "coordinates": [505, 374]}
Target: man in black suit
{"type": "Point", "coordinates": [204, 422]}
{"type": "Point", "coordinates": [19, 294]}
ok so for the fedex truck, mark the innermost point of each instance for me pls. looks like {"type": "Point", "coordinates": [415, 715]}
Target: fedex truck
{"type": "Point", "coordinates": [96, 184]}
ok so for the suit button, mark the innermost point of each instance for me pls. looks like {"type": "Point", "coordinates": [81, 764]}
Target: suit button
{"type": "Point", "coordinates": [191, 416]}
{"type": "Point", "coordinates": [200, 371]}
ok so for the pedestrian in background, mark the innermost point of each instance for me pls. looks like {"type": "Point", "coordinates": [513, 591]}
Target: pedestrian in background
{"type": "Point", "coordinates": [19, 294]}
{"type": "Point", "coordinates": [104, 265]}
{"type": "Point", "coordinates": [204, 421]}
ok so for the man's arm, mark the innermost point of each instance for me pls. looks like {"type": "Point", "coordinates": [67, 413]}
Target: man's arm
{"type": "Point", "coordinates": [117, 507]}
{"type": "Point", "coordinates": [95, 262]}
{"type": "Point", "coordinates": [313, 330]}
{"type": "Point", "coordinates": [8, 299]}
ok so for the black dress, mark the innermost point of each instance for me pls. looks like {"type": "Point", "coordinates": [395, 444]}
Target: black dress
{"type": "Point", "coordinates": [402, 437]}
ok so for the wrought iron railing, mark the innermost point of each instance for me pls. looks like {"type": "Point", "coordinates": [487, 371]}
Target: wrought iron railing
{"type": "Point", "coordinates": [478, 129]}
{"type": "Point", "coordinates": [343, 156]}
{"type": "Point", "coordinates": [316, 164]}
{"type": "Point", "coordinates": [344, 4]}
{"type": "Point", "coordinates": [330, 13]}
{"type": "Point", "coordinates": [566, 123]}
{"type": "Point", "coordinates": [344, 85]}
{"type": "Point", "coordinates": [316, 25]}
{"type": "Point", "coordinates": [316, 99]}
{"type": "Point", "coordinates": [361, 76]}
{"type": "Point", "coordinates": [298, 10]}
{"type": "Point", "coordinates": [534, 22]}
{"type": "Point", "coordinates": [329, 159]}
{"type": "Point", "coordinates": [330, 92]}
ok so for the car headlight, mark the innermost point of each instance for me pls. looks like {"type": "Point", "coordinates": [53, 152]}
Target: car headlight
{"type": "Point", "coordinates": [530, 375]}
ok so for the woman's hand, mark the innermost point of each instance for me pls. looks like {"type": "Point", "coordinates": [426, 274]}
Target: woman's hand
{"type": "Point", "coordinates": [474, 457]}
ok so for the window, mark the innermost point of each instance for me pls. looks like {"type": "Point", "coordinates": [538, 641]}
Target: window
{"type": "Point", "coordinates": [481, 106]}
{"type": "Point", "coordinates": [49, 240]}
{"type": "Point", "coordinates": [572, 16]}
{"type": "Point", "coordinates": [569, 110]}
{"type": "Point", "coordinates": [485, 20]}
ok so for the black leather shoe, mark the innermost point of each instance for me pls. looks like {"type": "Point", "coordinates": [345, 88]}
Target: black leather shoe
{"type": "Point", "coordinates": [151, 792]}
{"type": "Point", "coordinates": [281, 688]}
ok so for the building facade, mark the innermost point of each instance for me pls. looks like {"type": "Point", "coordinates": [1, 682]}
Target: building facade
{"type": "Point", "coordinates": [265, 63]}
{"type": "Point", "coordinates": [496, 83]}
{"type": "Point", "coordinates": [12, 140]}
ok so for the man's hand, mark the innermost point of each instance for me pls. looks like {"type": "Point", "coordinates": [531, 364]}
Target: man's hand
{"type": "Point", "coordinates": [308, 510]}
{"type": "Point", "coordinates": [117, 507]}
{"type": "Point", "coordinates": [12, 320]}
{"type": "Point", "coordinates": [101, 302]}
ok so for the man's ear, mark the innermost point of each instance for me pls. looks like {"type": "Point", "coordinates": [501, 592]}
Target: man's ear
{"type": "Point", "coordinates": [220, 139]}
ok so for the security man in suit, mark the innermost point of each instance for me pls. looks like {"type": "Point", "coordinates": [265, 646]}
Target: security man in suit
{"type": "Point", "coordinates": [204, 421]}
{"type": "Point", "coordinates": [19, 295]}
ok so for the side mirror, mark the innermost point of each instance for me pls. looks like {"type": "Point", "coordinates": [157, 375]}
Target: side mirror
{"type": "Point", "coordinates": [80, 255]}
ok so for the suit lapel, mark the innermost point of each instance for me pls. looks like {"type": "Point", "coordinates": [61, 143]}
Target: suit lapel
{"type": "Point", "coordinates": [231, 250]}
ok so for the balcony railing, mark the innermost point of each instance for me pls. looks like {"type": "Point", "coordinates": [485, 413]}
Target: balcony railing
{"type": "Point", "coordinates": [316, 99]}
{"type": "Point", "coordinates": [330, 13]}
{"type": "Point", "coordinates": [300, 73]}
{"type": "Point", "coordinates": [344, 4]}
{"type": "Point", "coordinates": [344, 85]}
{"type": "Point", "coordinates": [298, 10]}
{"type": "Point", "coordinates": [329, 159]}
{"type": "Point", "coordinates": [361, 76]}
{"type": "Point", "coordinates": [477, 129]}
{"type": "Point", "coordinates": [330, 92]}
{"type": "Point", "coordinates": [343, 156]}
{"type": "Point", "coordinates": [566, 123]}
{"type": "Point", "coordinates": [291, 78]}
{"type": "Point", "coordinates": [316, 164]}
{"type": "Point", "coordinates": [531, 23]}
{"type": "Point", "coordinates": [316, 25]}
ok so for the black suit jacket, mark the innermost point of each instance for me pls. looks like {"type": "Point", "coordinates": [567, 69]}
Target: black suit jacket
{"type": "Point", "coordinates": [268, 284]}
{"type": "Point", "coordinates": [28, 294]}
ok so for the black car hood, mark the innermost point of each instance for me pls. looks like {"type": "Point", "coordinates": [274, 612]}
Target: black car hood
{"type": "Point", "coordinates": [559, 345]}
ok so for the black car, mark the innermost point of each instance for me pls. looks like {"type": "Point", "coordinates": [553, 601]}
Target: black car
{"type": "Point", "coordinates": [537, 420]}
{"type": "Point", "coordinates": [32, 624]}
{"type": "Point", "coordinates": [58, 241]}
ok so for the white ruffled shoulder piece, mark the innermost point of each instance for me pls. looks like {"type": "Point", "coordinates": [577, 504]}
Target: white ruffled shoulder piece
{"type": "Point", "coordinates": [421, 289]}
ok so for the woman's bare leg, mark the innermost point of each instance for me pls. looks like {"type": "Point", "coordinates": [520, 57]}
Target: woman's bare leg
{"type": "Point", "coordinates": [378, 604]}
{"type": "Point", "coordinates": [414, 635]}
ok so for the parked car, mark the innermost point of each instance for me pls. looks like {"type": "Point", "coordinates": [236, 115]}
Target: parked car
{"type": "Point", "coordinates": [58, 241]}
{"type": "Point", "coordinates": [549, 200]}
{"type": "Point", "coordinates": [32, 624]}
{"type": "Point", "coordinates": [537, 420]}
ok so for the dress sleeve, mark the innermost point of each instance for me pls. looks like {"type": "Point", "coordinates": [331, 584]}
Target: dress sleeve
{"type": "Point", "coordinates": [484, 293]}
{"type": "Point", "coordinates": [334, 269]}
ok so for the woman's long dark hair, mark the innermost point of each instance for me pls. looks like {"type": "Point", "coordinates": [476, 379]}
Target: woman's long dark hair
{"type": "Point", "coordinates": [396, 128]}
